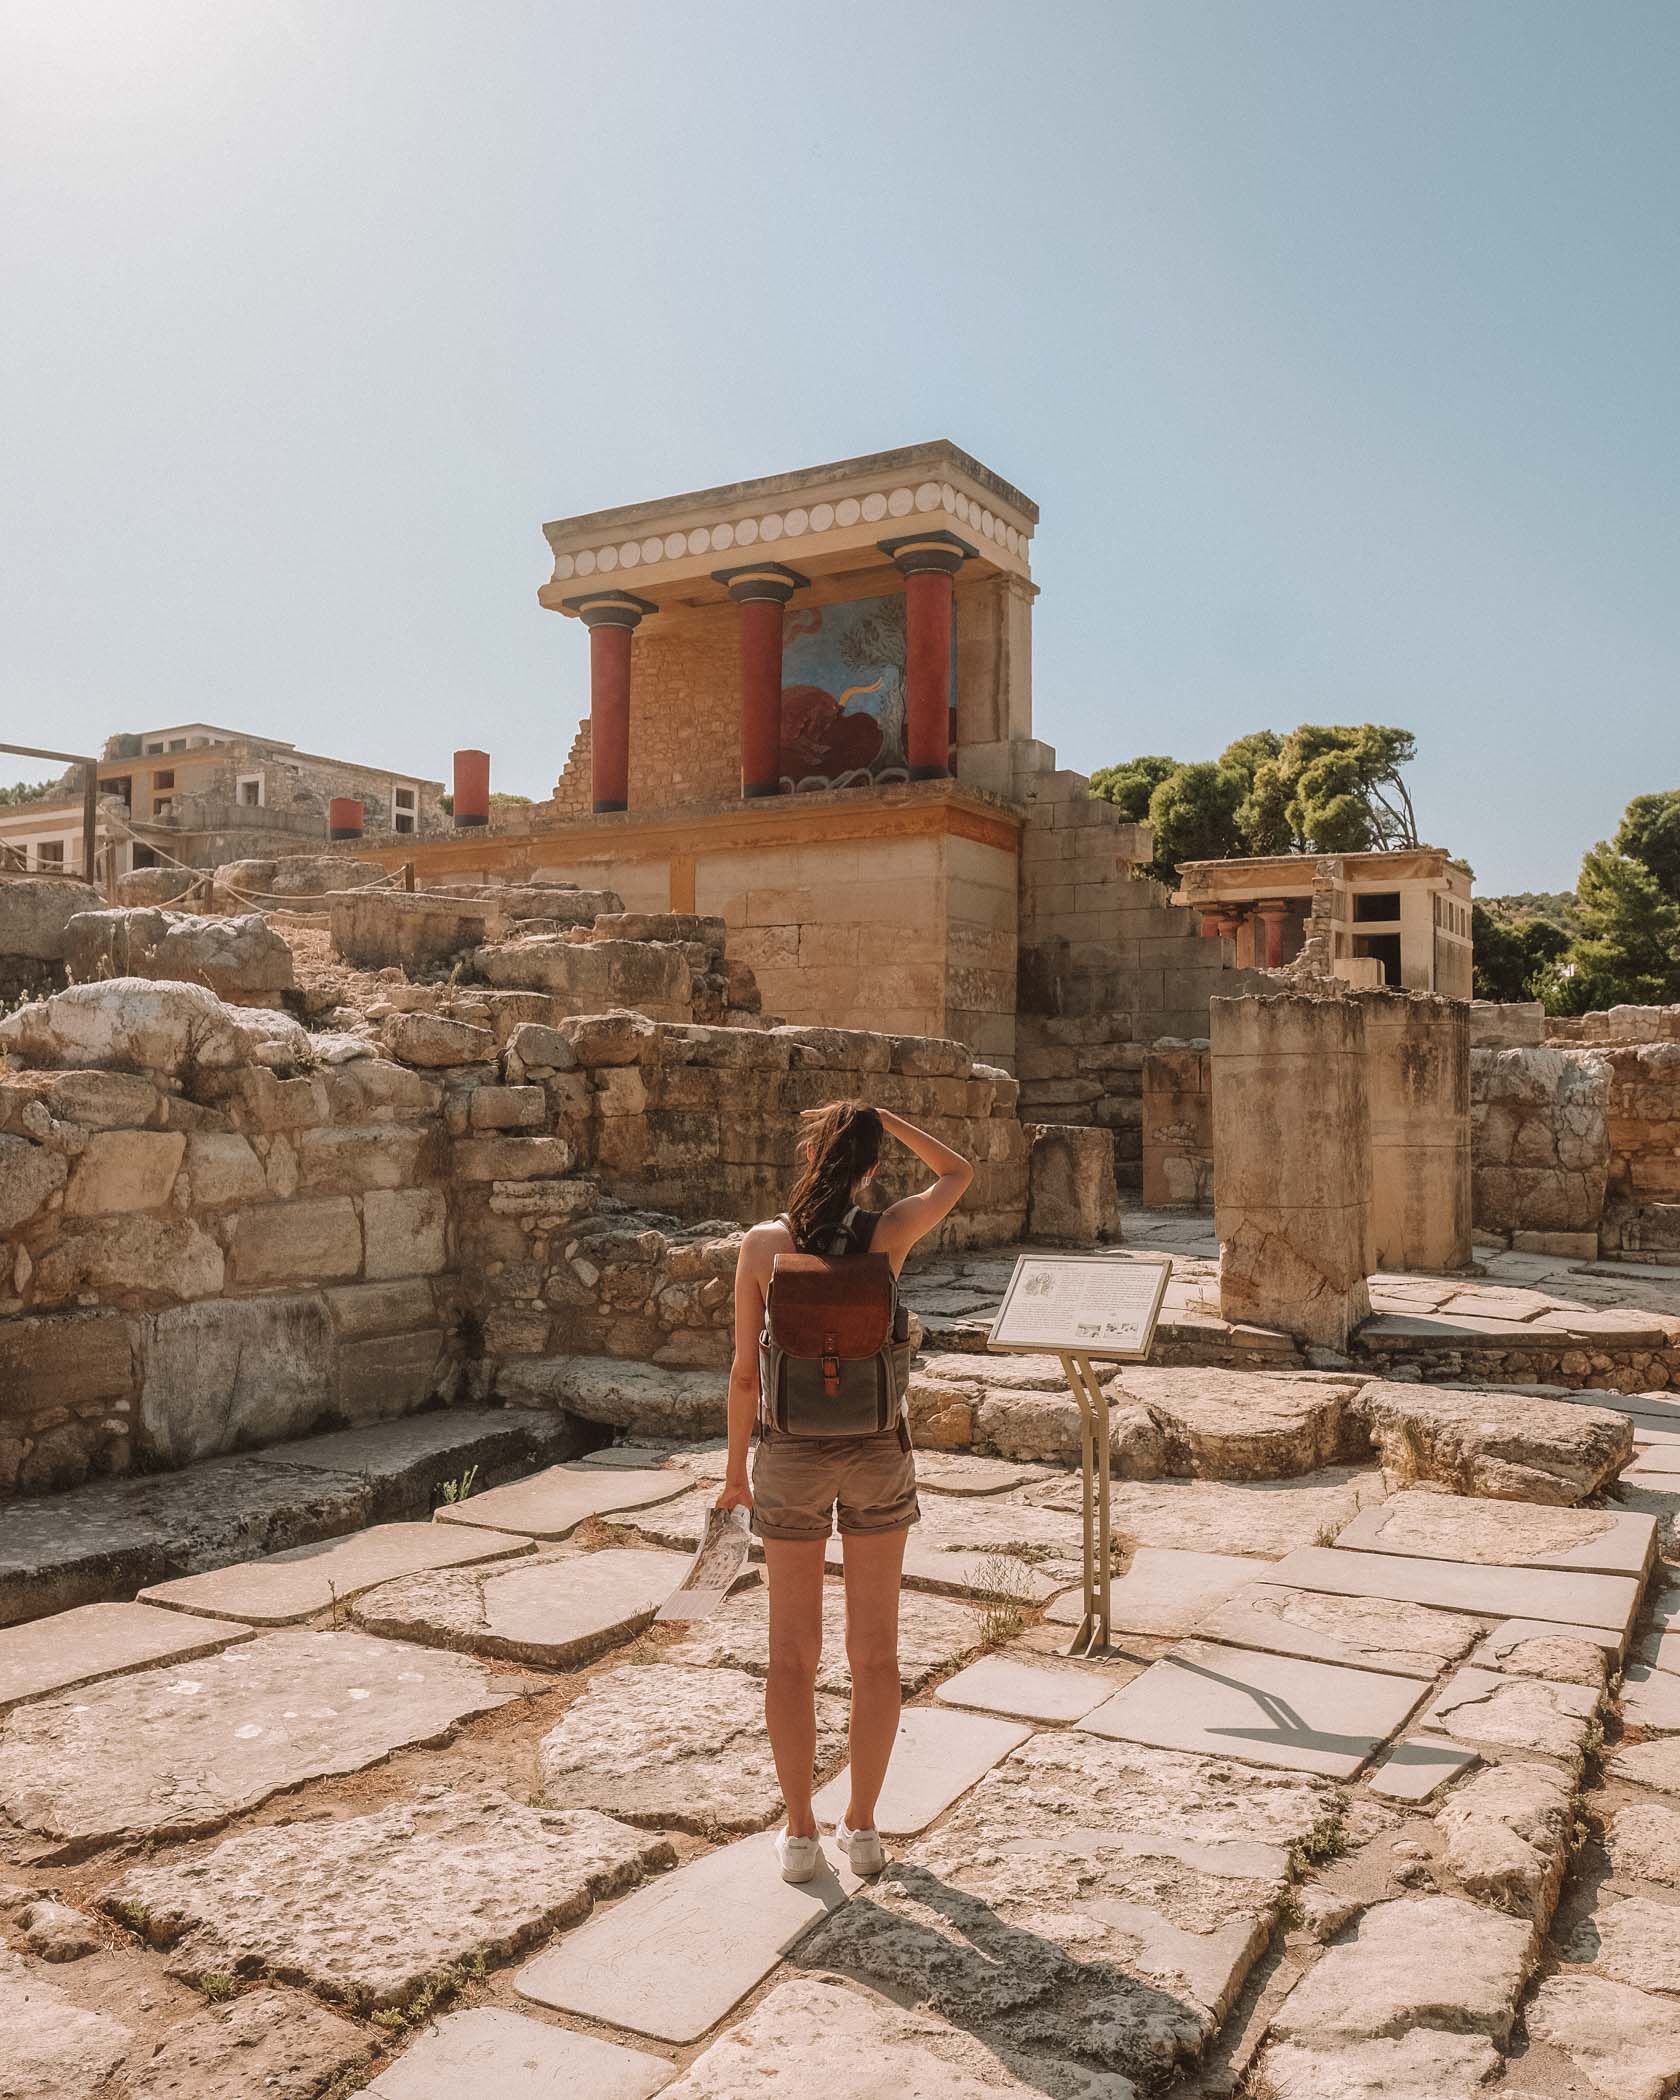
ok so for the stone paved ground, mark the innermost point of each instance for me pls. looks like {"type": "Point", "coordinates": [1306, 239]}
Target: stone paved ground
{"type": "Point", "coordinates": [1361, 1803]}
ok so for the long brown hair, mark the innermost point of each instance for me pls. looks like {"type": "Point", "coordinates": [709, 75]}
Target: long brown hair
{"type": "Point", "coordinates": [844, 1142]}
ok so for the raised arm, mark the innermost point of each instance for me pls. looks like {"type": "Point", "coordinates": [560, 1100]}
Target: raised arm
{"type": "Point", "coordinates": [912, 1218]}
{"type": "Point", "coordinates": [752, 1271]}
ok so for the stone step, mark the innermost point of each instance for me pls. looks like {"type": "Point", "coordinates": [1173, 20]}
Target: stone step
{"type": "Point", "coordinates": [491, 2054]}
{"type": "Point", "coordinates": [1556, 1594]}
{"type": "Point", "coordinates": [110, 1539]}
{"type": "Point", "coordinates": [937, 1757]}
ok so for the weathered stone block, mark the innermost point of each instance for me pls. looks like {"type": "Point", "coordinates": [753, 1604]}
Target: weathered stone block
{"type": "Point", "coordinates": [300, 1242]}
{"type": "Point", "coordinates": [73, 1360]}
{"type": "Point", "coordinates": [222, 1168]}
{"type": "Point", "coordinates": [144, 1260]}
{"type": "Point", "coordinates": [512, 1159]}
{"type": "Point", "coordinates": [35, 910]}
{"type": "Point", "coordinates": [1071, 1191]}
{"type": "Point", "coordinates": [369, 1156]}
{"type": "Point", "coordinates": [507, 1108]}
{"type": "Point", "coordinates": [406, 1232]}
{"type": "Point", "coordinates": [29, 1175]}
{"type": "Point", "coordinates": [430, 1040]}
{"type": "Point", "coordinates": [241, 1371]}
{"type": "Point", "coordinates": [128, 1024]}
{"type": "Point", "coordinates": [124, 1170]}
{"type": "Point", "coordinates": [240, 958]}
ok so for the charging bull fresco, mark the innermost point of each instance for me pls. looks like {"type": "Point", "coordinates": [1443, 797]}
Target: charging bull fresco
{"type": "Point", "coordinates": [843, 694]}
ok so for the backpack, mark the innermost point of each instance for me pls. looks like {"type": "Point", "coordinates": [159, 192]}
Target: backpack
{"type": "Point", "coordinates": [834, 1356]}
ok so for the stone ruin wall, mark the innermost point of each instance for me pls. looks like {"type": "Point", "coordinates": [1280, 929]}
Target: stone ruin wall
{"type": "Point", "coordinates": [1108, 965]}
{"type": "Point", "coordinates": [1575, 1142]}
{"type": "Point", "coordinates": [220, 1228]}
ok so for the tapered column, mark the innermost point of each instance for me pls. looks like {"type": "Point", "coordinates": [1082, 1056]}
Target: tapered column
{"type": "Point", "coordinates": [761, 589]}
{"type": "Point", "coordinates": [611, 617]}
{"type": "Point", "coordinates": [928, 561]}
{"type": "Point", "coordinates": [1273, 914]}
{"type": "Point", "coordinates": [471, 799]}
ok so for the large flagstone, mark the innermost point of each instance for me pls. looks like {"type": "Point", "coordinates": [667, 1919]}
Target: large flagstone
{"type": "Point", "coordinates": [1503, 1534]}
{"type": "Point", "coordinates": [1373, 1633]}
{"type": "Point", "coordinates": [1000, 1684]}
{"type": "Point", "coordinates": [1262, 1517]}
{"type": "Point", "coordinates": [99, 1640]}
{"type": "Point", "coordinates": [366, 1910]}
{"type": "Point", "coordinates": [288, 1587]}
{"type": "Point", "coordinates": [176, 1752]}
{"type": "Point", "coordinates": [491, 2054]}
{"type": "Point", "coordinates": [51, 2048]}
{"type": "Point", "coordinates": [1088, 1900]}
{"type": "Point", "coordinates": [272, 2045]}
{"type": "Point", "coordinates": [1485, 1709]}
{"type": "Point", "coordinates": [674, 1746]}
{"type": "Point", "coordinates": [675, 1956]}
{"type": "Point", "coordinates": [1269, 1709]}
{"type": "Point", "coordinates": [936, 1757]}
{"type": "Point", "coordinates": [1164, 1591]}
{"type": "Point", "coordinates": [555, 1609]}
{"type": "Point", "coordinates": [1624, 2042]}
{"type": "Point", "coordinates": [1504, 1593]}
{"type": "Point", "coordinates": [554, 1503]}
{"type": "Point", "coordinates": [1425, 2064]}
{"type": "Point", "coordinates": [1416, 1962]}
{"type": "Point", "coordinates": [811, 2036]}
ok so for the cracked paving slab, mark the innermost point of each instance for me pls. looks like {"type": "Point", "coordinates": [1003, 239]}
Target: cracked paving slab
{"type": "Point", "coordinates": [177, 1752]}
{"type": "Point", "coordinates": [367, 1910]}
{"type": "Point", "coordinates": [1093, 1901]}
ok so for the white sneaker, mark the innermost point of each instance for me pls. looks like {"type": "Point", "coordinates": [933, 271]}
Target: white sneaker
{"type": "Point", "coordinates": [801, 1858]}
{"type": "Point", "coordinates": [861, 1847]}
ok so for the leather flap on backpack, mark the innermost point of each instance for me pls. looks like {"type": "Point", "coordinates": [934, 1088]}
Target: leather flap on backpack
{"type": "Point", "coordinates": [821, 1307]}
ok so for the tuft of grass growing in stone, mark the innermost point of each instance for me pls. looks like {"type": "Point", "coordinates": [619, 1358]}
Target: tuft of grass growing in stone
{"type": "Point", "coordinates": [458, 1489]}
{"type": "Point", "coordinates": [218, 1986]}
{"type": "Point", "coordinates": [1003, 1609]}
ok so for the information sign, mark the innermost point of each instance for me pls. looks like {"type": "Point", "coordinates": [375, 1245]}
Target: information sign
{"type": "Point", "coordinates": [1092, 1305]}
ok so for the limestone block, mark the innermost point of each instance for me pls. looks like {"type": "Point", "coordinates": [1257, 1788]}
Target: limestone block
{"type": "Point", "coordinates": [367, 1909]}
{"type": "Point", "coordinates": [1080, 1869]}
{"type": "Point", "coordinates": [644, 1398]}
{"type": "Point", "coordinates": [300, 1242]}
{"type": "Point", "coordinates": [382, 927]}
{"type": "Point", "coordinates": [1424, 2064]}
{"type": "Point", "coordinates": [145, 1259]}
{"type": "Point", "coordinates": [539, 1048]}
{"type": "Point", "coordinates": [814, 2035]}
{"type": "Point", "coordinates": [105, 1100]}
{"type": "Point", "coordinates": [1292, 1169]}
{"type": "Point", "coordinates": [1072, 1195]}
{"type": "Point", "coordinates": [49, 2046]}
{"type": "Point", "coordinates": [29, 1175]}
{"type": "Point", "coordinates": [1644, 1843]}
{"type": "Point", "coordinates": [234, 1372]}
{"type": "Point", "coordinates": [1502, 1534]}
{"type": "Point", "coordinates": [128, 1024]}
{"type": "Point", "coordinates": [1420, 1961]}
{"type": "Point", "coordinates": [67, 1360]}
{"type": "Point", "coordinates": [556, 1610]}
{"type": "Point", "coordinates": [1507, 1025]}
{"type": "Point", "coordinates": [349, 1157]}
{"type": "Point", "coordinates": [1634, 1940]}
{"type": "Point", "coordinates": [1418, 1082]}
{"type": "Point", "coordinates": [105, 1764]}
{"type": "Point", "coordinates": [124, 1170]}
{"type": "Point", "coordinates": [223, 1168]}
{"type": "Point", "coordinates": [1510, 1447]}
{"type": "Point", "coordinates": [675, 1747]}
{"type": "Point", "coordinates": [58, 1932]}
{"type": "Point", "coordinates": [35, 911]}
{"type": "Point", "coordinates": [512, 1158]}
{"type": "Point", "coordinates": [238, 957]}
{"type": "Point", "coordinates": [1625, 2042]}
{"type": "Point", "coordinates": [1378, 1633]}
{"type": "Point", "coordinates": [406, 1232]}
{"type": "Point", "coordinates": [491, 2054]}
{"type": "Point", "coordinates": [651, 977]}
{"type": "Point", "coordinates": [1508, 1832]}
{"type": "Point", "coordinates": [1244, 1425]}
{"type": "Point", "coordinates": [1518, 1713]}
{"type": "Point", "coordinates": [430, 1040]}
{"type": "Point", "coordinates": [523, 1108]}
{"type": "Point", "coordinates": [270, 2042]}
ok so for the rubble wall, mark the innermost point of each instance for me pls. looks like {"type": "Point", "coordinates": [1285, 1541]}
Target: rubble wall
{"type": "Point", "coordinates": [1642, 1204]}
{"type": "Point", "coordinates": [1539, 1139]}
{"type": "Point", "coordinates": [218, 1230]}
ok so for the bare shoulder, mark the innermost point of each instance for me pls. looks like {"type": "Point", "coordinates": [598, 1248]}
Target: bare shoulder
{"type": "Point", "coordinates": [762, 1244]}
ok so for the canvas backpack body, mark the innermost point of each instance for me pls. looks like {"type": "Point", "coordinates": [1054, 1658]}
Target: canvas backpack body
{"type": "Point", "coordinates": [834, 1354]}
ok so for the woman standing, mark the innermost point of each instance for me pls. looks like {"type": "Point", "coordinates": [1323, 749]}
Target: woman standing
{"type": "Point", "coordinates": [800, 1482]}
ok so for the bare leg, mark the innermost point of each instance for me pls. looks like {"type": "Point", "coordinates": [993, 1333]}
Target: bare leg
{"type": "Point", "coordinates": [874, 1567]}
{"type": "Point", "coordinates": [795, 1569]}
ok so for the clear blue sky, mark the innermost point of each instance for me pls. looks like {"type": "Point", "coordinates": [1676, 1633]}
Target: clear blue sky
{"type": "Point", "coordinates": [1338, 343]}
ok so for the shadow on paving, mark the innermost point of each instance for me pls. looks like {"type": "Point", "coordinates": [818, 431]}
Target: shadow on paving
{"type": "Point", "coordinates": [1030, 2000]}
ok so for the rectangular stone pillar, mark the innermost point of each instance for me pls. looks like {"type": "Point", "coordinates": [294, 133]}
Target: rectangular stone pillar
{"type": "Point", "coordinates": [1417, 1049]}
{"type": "Point", "coordinates": [1292, 1164]}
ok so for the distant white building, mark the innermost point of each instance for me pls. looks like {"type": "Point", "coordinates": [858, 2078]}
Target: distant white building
{"type": "Point", "coordinates": [201, 795]}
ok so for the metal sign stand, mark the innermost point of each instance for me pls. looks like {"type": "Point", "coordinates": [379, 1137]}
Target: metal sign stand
{"type": "Point", "coordinates": [1092, 1637]}
{"type": "Point", "coordinates": [1076, 1308]}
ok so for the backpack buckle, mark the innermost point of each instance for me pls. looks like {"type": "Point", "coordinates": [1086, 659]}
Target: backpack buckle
{"type": "Point", "coordinates": [830, 1362]}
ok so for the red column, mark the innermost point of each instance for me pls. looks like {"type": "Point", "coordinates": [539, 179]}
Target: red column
{"type": "Point", "coordinates": [611, 617]}
{"type": "Point", "coordinates": [761, 590]}
{"type": "Point", "coordinates": [472, 789]}
{"type": "Point", "coordinates": [344, 817]}
{"type": "Point", "coordinates": [928, 561]}
{"type": "Point", "coordinates": [1272, 915]}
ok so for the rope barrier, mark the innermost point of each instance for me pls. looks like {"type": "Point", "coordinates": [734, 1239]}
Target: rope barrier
{"type": "Point", "coordinates": [260, 899]}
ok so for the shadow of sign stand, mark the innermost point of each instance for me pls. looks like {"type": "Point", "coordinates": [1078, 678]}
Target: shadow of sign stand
{"type": "Point", "coordinates": [1082, 1308]}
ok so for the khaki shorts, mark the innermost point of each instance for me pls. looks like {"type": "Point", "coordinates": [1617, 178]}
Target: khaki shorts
{"type": "Point", "coordinates": [798, 1481]}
